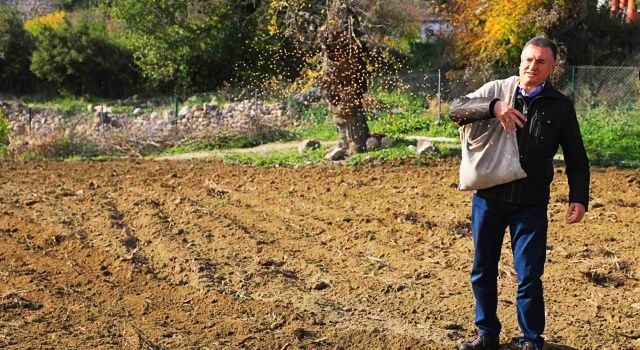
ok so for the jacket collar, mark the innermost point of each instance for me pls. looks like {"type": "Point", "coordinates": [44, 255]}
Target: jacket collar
{"type": "Point", "coordinates": [547, 91]}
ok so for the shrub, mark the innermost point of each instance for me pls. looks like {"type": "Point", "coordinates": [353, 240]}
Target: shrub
{"type": "Point", "coordinates": [79, 59]}
{"type": "Point", "coordinates": [4, 129]}
{"type": "Point", "coordinates": [15, 48]}
{"type": "Point", "coordinates": [181, 46]}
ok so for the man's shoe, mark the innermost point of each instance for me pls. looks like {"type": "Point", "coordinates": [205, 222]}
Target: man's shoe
{"type": "Point", "coordinates": [527, 345]}
{"type": "Point", "coordinates": [482, 342]}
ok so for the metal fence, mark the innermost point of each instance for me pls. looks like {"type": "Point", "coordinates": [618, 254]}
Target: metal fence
{"type": "Point", "coordinates": [587, 86]}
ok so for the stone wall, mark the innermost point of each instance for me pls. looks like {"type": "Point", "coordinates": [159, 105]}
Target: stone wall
{"type": "Point", "coordinates": [251, 118]}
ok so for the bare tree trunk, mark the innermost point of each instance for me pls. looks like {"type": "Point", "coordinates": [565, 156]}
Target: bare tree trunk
{"type": "Point", "coordinates": [345, 75]}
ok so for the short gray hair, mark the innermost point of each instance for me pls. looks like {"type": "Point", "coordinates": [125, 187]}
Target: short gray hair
{"type": "Point", "coordinates": [541, 41]}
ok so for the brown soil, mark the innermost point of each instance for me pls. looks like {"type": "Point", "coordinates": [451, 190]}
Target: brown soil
{"type": "Point", "coordinates": [199, 255]}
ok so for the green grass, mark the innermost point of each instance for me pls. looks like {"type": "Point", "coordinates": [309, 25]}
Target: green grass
{"type": "Point", "coordinates": [228, 142]}
{"type": "Point", "coordinates": [612, 136]}
{"type": "Point", "coordinates": [400, 114]}
{"type": "Point", "coordinates": [393, 114]}
{"type": "Point", "coordinates": [321, 132]}
{"type": "Point", "coordinates": [286, 158]}
{"type": "Point", "coordinates": [291, 158]}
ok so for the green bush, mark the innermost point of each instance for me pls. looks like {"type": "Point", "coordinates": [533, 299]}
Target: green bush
{"type": "Point", "coordinates": [80, 60]}
{"type": "Point", "coordinates": [179, 45]}
{"type": "Point", "coordinates": [4, 129]}
{"type": "Point", "coordinates": [15, 48]}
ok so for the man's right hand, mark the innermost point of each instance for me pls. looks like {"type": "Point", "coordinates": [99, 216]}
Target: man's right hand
{"type": "Point", "coordinates": [508, 116]}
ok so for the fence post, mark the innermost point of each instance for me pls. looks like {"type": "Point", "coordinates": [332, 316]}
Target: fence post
{"type": "Point", "coordinates": [573, 83]}
{"type": "Point", "coordinates": [439, 96]}
{"type": "Point", "coordinates": [102, 119]}
{"type": "Point", "coordinates": [30, 118]}
{"type": "Point", "coordinates": [175, 116]}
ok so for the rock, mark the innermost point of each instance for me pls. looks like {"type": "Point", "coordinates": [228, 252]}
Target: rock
{"type": "Point", "coordinates": [425, 146]}
{"type": "Point", "coordinates": [308, 144]}
{"type": "Point", "coordinates": [397, 110]}
{"type": "Point", "coordinates": [137, 111]}
{"type": "Point", "coordinates": [386, 142]}
{"type": "Point", "coordinates": [320, 285]}
{"type": "Point", "coordinates": [90, 108]}
{"type": "Point", "coordinates": [184, 111]}
{"type": "Point", "coordinates": [212, 108]}
{"type": "Point", "coordinates": [372, 144]}
{"type": "Point", "coordinates": [596, 203]}
{"type": "Point", "coordinates": [336, 154]}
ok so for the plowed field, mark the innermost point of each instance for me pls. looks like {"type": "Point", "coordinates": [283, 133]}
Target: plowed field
{"type": "Point", "coordinates": [200, 255]}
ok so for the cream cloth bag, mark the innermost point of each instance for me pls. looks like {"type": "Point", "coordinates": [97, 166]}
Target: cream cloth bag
{"type": "Point", "coordinates": [490, 154]}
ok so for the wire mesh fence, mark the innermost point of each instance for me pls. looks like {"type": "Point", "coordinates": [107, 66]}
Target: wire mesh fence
{"type": "Point", "coordinates": [587, 86]}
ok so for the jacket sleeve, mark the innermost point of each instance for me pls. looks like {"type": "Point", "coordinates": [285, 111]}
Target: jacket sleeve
{"type": "Point", "coordinates": [465, 110]}
{"type": "Point", "coordinates": [475, 106]}
{"type": "Point", "coordinates": [576, 160]}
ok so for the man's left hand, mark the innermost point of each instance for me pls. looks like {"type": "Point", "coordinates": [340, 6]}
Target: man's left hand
{"type": "Point", "coordinates": [575, 213]}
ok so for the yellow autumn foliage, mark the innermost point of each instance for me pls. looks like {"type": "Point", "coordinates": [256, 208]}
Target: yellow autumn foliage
{"type": "Point", "coordinates": [54, 20]}
{"type": "Point", "coordinates": [495, 31]}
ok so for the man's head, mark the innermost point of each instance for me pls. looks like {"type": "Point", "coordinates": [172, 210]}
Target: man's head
{"type": "Point", "coordinates": [537, 61]}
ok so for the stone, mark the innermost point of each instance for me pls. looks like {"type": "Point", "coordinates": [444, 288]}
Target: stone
{"type": "Point", "coordinates": [308, 144]}
{"type": "Point", "coordinates": [137, 111]}
{"type": "Point", "coordinates": [336, 154]}
{"type": "Point", "coordinates": [424, 147]}
{"type": "Point", "coordinates": [386, 142]}
{"type": "Point", "coordinates": [320, 285]}
{"type": "Point", "coordinates": [184, 111]}
{"type": "Point", "coordinates": [372, 144]}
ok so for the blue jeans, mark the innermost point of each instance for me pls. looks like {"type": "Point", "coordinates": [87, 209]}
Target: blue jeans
{"type": "Point", "coordinates": [528, 229]}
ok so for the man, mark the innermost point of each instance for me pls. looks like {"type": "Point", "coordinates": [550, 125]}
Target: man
{"type": "Point", "coordinates": [543, 119]}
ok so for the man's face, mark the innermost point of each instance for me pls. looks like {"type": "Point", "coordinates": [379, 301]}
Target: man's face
{"type": "Point", "coordinates": [536, 64]}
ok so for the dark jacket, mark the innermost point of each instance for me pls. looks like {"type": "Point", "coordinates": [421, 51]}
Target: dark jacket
{"type": "Point", "coordinates": [551, 122]}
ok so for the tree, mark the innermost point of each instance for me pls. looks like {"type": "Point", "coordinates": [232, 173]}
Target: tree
{"type": "Point", "coordinates": [344, 42]}
{"type": "Point", "coordinates": [345, 74]}
{"type": "Point", "coordinates": [80, 60]}
{"type": "Point", "coordinates": [593, 35]}
{"type": "Point", "coordinates": [184, 44]}
{"type": "Point", "coordinates": [492, 33]}
{"type": "Point", "coordinates": [15, 48]}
